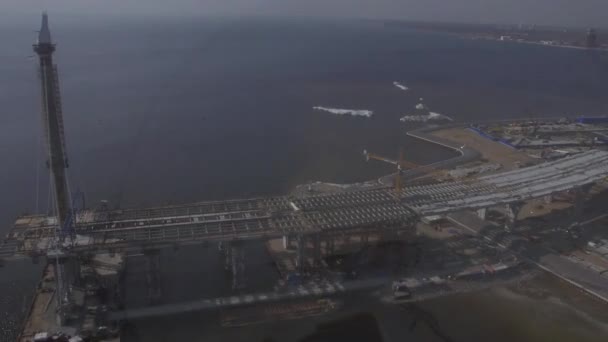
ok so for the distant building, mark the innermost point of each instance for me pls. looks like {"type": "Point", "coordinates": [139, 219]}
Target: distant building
{"type": "Point", "coordinates": [591, 39]}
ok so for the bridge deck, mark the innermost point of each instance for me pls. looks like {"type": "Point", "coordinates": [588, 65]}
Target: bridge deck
{"type": "Point", "coordinates": [513, 186]}
{"type": "Point", "coordinates": [256, 218]}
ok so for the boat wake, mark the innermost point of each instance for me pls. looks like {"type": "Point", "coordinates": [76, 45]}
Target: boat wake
{"type": "Point", "coordinates": [400, 86]}
{"type": "Point", "coordinates": [339, 111]}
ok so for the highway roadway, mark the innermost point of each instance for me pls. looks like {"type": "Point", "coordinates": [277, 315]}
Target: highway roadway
{"type": "Point", "coordinates": [537, 254]}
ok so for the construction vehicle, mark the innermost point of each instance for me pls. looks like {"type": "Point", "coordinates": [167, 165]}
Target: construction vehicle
{"type": "Point", "coordinates": [401, 291]}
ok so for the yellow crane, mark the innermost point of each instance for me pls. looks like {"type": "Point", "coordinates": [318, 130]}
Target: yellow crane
{"type": "Point", "coordinates": [402, 165]}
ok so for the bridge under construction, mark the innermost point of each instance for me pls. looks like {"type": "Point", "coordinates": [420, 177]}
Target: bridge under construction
{"type": "Point", "coordinates": [311, 222]}
{"type": "Point", "coordinates": [379, 210]}
{"type": "Point", "coordinates": [373, 210]}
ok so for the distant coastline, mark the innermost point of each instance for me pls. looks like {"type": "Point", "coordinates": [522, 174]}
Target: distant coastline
{"type": "Point", "coordinates": [563, 37]}
{"type": "Point", "coordinates": [541, 43]}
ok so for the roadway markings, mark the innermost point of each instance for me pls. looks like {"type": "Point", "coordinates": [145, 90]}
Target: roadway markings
{"type": "Point", "coordinates": [544, 268]}
{"type": "Point", "coordinates": [584, 223]}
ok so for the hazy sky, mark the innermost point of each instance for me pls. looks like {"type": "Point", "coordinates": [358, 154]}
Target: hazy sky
{"type": "Point", "coordinates": [560, 12]}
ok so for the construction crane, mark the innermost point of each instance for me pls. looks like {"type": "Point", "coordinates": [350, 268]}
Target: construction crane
{"type": "Point", "coordinates": [403, 164]}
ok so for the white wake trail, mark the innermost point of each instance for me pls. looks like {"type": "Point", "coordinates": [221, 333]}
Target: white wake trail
{"type": "Point", "coordinates": [340, 111]}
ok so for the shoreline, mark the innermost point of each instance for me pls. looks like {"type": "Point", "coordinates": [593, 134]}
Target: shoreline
{"type": "Point", "coordinates": [493, 39]}
{"type": "Point", "coordinates": [467, 154]}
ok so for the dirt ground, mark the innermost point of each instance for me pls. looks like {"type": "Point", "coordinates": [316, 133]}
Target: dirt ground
{"type": "Point", "coordinates": [538, 208]}
{"type": "Point", "coordinates": [490, 150]}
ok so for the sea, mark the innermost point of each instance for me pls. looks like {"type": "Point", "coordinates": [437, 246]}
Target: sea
{"type": "Point", "coordinates": [166, 110]}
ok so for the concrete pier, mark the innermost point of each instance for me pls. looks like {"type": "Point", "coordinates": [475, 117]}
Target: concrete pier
{"type": "Point", "coordinates": [482, 213]}
{"type": "Point", "coordinates": [153, 272]}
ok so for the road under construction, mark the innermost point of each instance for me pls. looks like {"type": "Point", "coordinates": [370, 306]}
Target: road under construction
{"type": "Point", "coordinates": [313, 223]}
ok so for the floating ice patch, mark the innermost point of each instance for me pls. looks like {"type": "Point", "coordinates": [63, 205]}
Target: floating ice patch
{"type": "Point", "coordinates": [437, 116]}
{"type": "Point", "coordinates": [414, 118]}
{"type": "Point", "coordinates": [339, 111]}
{"type": "Point", "coordinates": [400, 86]}
{"type": "Point", "coordinates": [424, 118]}
{"type": "Point", "coordinates": [420, 106]}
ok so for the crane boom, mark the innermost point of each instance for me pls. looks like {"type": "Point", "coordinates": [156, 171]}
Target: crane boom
{"type": "Point", "coordinates": [402, 165]}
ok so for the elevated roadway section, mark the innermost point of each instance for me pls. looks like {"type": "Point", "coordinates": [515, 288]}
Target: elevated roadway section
{"type": "Point", "coordinates": [510, 187]}
{"type": "Point", "coordinates": [340, 213]}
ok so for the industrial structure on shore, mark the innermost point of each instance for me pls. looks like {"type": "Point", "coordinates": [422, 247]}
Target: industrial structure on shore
{"type": "Point", "coordinates": [314, 225]}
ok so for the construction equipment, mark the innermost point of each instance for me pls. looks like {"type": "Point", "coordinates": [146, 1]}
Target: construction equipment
{"type": "Point", "coordinates": [402, 165]}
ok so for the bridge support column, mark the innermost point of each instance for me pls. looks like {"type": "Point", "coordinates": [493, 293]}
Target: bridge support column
{"type": "Point", "coordinates": [316, 246]}
{"type": "Point", "coordinates": [226, 251]}
{"type": "Point", "coordinates": [580, 194]}
{"type": "Point", "coordinates": [482, 213]}
{"type": "Point", "coordinates": [287, 240]}
{"type": "Point", "coordinates": [512, 210]}
{"type": "Point", "coordinates": [382, 236]}
{"type": "Point", "coordinates": [237, 265]}
{"type": "Point", "coordinates": [234, 262]}
{"type": "Point", "coordinates": [301, 252]}
{"type": "Point", "coordinates": [64, 279]}
{"type": "Point", "coordinates": [330, 246]}
{"type": "Point", "coordinates": [387, 234]}
{"type": "Point", "coordinates": [346, 239]}
{"type": "Point", "coordinates": [365, 238]}
{"type": "Point", "coordinates": [69, 267]}
{"type": "Point", "coordinates": [153, 274]}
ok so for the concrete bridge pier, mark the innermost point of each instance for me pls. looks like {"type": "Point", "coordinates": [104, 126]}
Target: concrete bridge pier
{"type": "Point", "coordinates": [316, 250]}
{"type": "Point", "coordinates": [62, 294]}
{"type": "Point", "coordinates": [330, 246]}
{"type": "Point", "coordinates": [287, 241]}
{"type": "Point", "coordinates": [580, 194]}
{"type": "Point", "coordinates": [387, 234]}
{"type": "Point", "coordinates": [234, 262]}
{"type": "Point", "coordinates": [67, 274]}
{"type": "Point", "coordinates": [69, 267]}
{"type": "Point", "coordinates": [512, 210]}
{"type": "Point", "coordinates": [301, 252]}
{"type": "Point", "coordinates": [482, 213]}
{"type": "Point", "coordinates": [224, 248]}
{"type": "Point", "coordinates": [237, 265]}
{"type": "Point", "coordinates": [153, 274]}
{"type": "Point", "coordinates": [346, 238]}
{"type": "Point", "coordinates": [365, 238]}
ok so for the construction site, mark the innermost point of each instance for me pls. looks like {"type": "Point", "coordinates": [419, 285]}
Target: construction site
{"type": "Point", "coordinates": [549, 139]}
{"type": "Point", "coordinates": [520, 197]}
